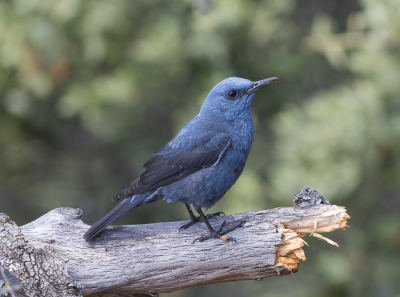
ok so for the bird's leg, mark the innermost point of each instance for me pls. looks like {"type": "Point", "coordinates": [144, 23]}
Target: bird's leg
{"type": "Point", "coordinates": [191, 214]}
{"type": "Point", "coordinates": [215, 234]}
{"type": "Point", "coordinates": [194, 219]}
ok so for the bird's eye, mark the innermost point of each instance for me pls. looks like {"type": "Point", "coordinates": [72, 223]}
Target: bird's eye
{"type": "Point", "coordinates": [232, 94]}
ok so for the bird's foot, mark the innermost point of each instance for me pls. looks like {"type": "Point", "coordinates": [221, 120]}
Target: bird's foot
{"type": "Point", "coordinates": [220, 233]}
{"type": "Point", "coordinates": [198, 219]}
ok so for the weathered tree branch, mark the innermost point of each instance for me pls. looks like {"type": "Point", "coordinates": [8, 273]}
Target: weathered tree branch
{"type": "Point", "coordinates": [49, 256]}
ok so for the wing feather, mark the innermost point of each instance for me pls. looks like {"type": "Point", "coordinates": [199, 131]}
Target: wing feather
{"type": "Point", "coordinates": [178, 160]}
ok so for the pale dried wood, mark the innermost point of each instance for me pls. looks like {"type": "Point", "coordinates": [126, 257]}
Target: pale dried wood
{"type": "Point", "coordinates": [49, 256]}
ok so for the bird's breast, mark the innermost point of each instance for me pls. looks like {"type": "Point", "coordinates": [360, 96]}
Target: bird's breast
{"type": "Point", "coordinates": [241, 141]}
{"type": "Point", "coordinates": [243, 135]}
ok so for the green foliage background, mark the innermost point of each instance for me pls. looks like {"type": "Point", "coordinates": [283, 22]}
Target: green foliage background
{"type": "Point", "coordinates": [90, 89]}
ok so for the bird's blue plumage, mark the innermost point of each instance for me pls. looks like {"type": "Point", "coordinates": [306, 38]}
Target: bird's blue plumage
{"type": "Point", "coordinates": [204, 160]}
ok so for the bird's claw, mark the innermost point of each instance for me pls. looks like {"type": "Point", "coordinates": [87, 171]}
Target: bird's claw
{"type": "Point", "coordinates": [219, 233]}
{"type": "Point", "coordinates": [191, 223]}
{"type": "Point", "coordinates": [213, 215]}
{"type": "Point", "coordinates": [198, 219]}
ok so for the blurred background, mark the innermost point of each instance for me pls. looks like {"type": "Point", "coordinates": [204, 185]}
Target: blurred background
{"type": "Point", "coordinates": [89, 90]}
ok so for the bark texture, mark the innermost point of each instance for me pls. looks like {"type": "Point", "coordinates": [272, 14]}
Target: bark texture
{"type": "Point", "coordinates": [49, 257]}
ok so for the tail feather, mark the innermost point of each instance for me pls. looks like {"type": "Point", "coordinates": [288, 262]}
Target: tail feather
{"type": "Point", "coordinates": [109, 218]}
{"type": "Point", "coordinates": [121, 209]}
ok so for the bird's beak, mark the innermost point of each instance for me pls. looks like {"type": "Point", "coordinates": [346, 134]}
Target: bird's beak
{"type": "Point", "coordinates": [259, 84]}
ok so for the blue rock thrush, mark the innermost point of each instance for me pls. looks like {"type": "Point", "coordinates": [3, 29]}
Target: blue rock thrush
{"type": "Point", "coordinates": [201, 163]}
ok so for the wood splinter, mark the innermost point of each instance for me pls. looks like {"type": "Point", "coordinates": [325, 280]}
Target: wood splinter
{"type": "Point", "coordinates": [290, 252]}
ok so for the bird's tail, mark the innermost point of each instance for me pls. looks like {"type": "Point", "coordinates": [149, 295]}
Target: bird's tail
{"type": "Point", "coordinates": [117, 212]}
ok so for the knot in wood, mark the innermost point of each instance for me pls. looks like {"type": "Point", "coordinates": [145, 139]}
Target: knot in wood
{"type": "Point", "coordinates": [74, 213]}
{"type": "Point", "coordinates": [309, 197]}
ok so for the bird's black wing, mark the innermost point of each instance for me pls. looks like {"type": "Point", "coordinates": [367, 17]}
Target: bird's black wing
{"type": "Point", "coordinates": [181, 157]}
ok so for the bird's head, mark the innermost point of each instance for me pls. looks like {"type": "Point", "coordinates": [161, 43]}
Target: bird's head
{"type": "Point", "coordinates": [231, 97]}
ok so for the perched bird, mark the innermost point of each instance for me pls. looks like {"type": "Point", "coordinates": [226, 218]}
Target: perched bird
{"type": "Point", "coordinates": [199, 165]}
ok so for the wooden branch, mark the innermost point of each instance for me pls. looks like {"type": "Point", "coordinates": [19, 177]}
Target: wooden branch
{"type": "Point", "coordinates": [49, 256]}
